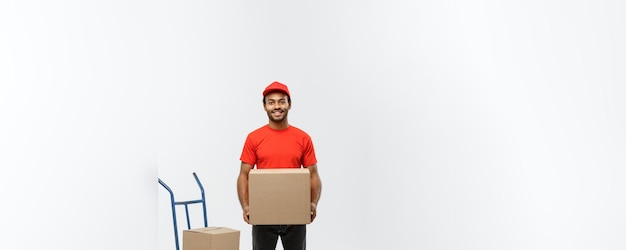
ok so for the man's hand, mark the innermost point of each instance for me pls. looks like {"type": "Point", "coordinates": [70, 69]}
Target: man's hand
{"type": "Point", "coordinates": [313, 211]}
{"type": "Point", "coordinates": [246, 214]}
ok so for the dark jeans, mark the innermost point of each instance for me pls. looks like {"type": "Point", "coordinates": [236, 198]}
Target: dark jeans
{"type": "Point", "coordinates": [265, 237]}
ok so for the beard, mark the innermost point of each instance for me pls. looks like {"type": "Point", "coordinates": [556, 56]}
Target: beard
{"type": "Point", "coordinates": [270, 114]}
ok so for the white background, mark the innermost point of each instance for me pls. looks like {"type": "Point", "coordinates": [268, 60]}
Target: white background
{"type": "Point", "coordinates": [437, 124]}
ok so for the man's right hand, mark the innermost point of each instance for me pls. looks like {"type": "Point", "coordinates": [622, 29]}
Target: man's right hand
{"type": "Point", "coordinates": [246, 214]}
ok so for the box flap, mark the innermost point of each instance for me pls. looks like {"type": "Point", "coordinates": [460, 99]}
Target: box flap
{"type": "Point", "coordinates": [212, 230]}
{"type": "Point", "coordinates": [279, 171]}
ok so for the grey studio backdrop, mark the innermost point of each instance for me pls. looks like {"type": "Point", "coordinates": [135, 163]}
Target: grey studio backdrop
{"type": "Point", "coordinates": [437, 124]}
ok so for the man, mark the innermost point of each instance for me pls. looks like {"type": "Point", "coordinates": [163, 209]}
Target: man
{"type": "Point", "coordinates": [278, 145]}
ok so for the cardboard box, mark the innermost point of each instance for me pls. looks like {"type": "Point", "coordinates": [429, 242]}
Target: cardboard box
{"type": "Point", "coordinates": [279, 196]}
{"type": "Point", "coordinates": [211, 238]}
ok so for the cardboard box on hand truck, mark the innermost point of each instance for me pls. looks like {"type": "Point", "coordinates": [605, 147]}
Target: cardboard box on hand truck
{"type": "Point", "coordinates": [280, 196]}
{"type": "Point", "coordinates": [211, 238]}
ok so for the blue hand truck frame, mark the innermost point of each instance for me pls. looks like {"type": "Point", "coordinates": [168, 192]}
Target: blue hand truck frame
{"type": "Point", "coordinates": [185, 203]}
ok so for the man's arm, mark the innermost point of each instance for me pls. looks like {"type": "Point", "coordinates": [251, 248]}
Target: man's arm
{"type": "Point", "coordinates": [242, 190]}
{"type": "Point", "coordinates": [316, 189]}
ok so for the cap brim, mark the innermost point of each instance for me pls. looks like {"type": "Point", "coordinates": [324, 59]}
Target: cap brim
{"type": "Point", "coordinates": [275, 90]}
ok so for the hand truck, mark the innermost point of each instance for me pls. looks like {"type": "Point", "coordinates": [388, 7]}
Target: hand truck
{"type": "Point", "coordinates": [186, 203]}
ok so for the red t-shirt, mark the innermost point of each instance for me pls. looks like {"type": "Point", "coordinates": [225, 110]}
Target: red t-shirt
{"type": "Point", "coordinates": [269, 148]}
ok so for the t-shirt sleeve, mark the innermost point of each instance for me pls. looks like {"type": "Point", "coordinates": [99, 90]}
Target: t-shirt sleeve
{"type": "Point", "coordinates": [308, 158]}
{"type": "Point", "coordinates": [247, 154]}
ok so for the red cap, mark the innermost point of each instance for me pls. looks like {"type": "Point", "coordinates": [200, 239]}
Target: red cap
{"type": "Point", "coordinates": [276, 86]}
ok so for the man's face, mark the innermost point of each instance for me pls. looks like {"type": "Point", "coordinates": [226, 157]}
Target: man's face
{"type": "Point", "coordinates": [277, 106]}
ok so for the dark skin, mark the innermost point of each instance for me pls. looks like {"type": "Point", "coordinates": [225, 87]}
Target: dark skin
{"type": "Point", "coordinates": [277, 106]}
